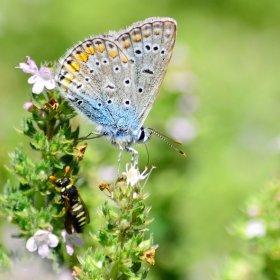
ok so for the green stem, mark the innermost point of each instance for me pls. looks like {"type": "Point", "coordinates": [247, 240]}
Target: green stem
{"type": "Point", "coordinates": [114, 271]}
{"type": "Point", "coordinates": [50, 128]}
{"type": "Point", "coordinates": [39, 201]}
{"type": "Point", "coordinates": [122, 237]}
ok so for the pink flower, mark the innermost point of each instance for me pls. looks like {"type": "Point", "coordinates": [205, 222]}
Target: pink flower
{"type": "Point", "coordinates": [41, 240]}
{"type": "Point", "coordinates": [40, 78]}
{"type": "Point", "coordinates": [28, 106]}
{"type": "Point", "coordinates": [71, 240]}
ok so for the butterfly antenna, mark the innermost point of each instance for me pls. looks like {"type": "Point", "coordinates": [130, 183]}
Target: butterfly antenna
{"type": "Point", "coordinates": [147, 155]}
{"type": "Point", "coordinates": [164, 137]}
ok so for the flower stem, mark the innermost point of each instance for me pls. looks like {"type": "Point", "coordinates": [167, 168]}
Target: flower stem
{"type": "Point", "coordinates": [114, 271]}
{"type": "Point", "coordinates": [50, 128]}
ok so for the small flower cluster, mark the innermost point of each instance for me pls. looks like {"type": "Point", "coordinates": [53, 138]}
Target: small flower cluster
{"type": "Point", "coordinates": [40, 78]}
{"type": "Point", "coordinates": [43, 239]}
{"type": "Point", "coordinates": [260, 228]}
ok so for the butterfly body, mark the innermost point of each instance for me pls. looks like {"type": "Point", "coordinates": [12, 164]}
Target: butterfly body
{"type": "Point", "coordinates": [113, 79]}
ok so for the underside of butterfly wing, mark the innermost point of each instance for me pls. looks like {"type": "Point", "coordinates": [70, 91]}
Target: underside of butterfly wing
{"type": "Point", "coordinates": [113, 79]}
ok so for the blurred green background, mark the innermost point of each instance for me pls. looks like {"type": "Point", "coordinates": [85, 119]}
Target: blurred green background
{"type": "Point", "coordinates": [221, 96]}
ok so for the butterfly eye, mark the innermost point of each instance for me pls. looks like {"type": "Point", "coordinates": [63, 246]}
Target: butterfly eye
{"type": "Point", "coordinates": [142, 135]}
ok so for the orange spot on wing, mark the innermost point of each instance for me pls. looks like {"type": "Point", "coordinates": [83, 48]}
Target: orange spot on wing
{"type": "Point", "coordinates": [69, 67]}
{"type": "Point", "coordinates": [126, 44]}
{"type": "Point", "coordinates": [69, 76]}
{"type": "Point", "coordinates": [90, 50]}
{"type": "Point", "coordinates": [124, 59]}
{"type": "Point", "coordinates": [137, 38]}
{"type": "Point", "coordinates": [73, 66]}
{"type": "Point", "coordinates": [113, 53]}
{"type": "Point", "coordinates": [100, 48]}
{"type": "Point", "coordinates": [83, 57]}
{"type": "Point", "coordinates": [66, 81]}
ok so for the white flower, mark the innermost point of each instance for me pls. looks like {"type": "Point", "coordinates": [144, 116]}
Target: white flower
{"type": "Point", "coordinates": [71, 240]}
{"type": "Point", "coordinates": [41, 240]}
{"type": "Point", "coordinates": [41, 78]}
{"type": "Point", "coordinates": [255, 229]}
{"type": "Point", "coordinates": [133, 175]}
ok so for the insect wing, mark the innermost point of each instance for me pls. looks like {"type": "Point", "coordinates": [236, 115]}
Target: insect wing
{"type": "Point", "coordinates": [85, 209]}
{"type": "Point", "coordinates": [68, 217]}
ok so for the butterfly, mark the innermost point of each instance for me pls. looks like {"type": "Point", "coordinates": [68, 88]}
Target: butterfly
{"type": "Point", "coordinates": [113, 79]}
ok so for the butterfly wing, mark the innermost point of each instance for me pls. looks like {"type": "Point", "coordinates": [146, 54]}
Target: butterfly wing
{"type": "Point", "coordinates": [95, 77]}
{"type": "Point", "coordinates": [149, 46]}
{"type": "Point", "coordinates": [113, 79]}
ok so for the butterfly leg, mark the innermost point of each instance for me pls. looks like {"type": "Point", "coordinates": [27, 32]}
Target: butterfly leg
{"type": "Point", "coordinates": [87, 137]}
{"type": "Point", "coordinates": [134, 158]}
{"type": "Point", "coordinates": [119, 161]}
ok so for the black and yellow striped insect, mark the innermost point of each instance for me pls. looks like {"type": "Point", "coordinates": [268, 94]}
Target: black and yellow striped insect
{"type": "Point", "coordinates": [77, 215]}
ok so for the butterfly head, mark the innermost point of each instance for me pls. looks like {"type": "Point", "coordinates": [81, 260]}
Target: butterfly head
{"type": "Point", "coordinates": [125, 138]}
{"type": "Point", "coordinates": [144, 134]}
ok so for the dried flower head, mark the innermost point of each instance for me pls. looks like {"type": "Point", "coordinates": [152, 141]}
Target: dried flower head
{"type": "Point", "coordinates": [149, 255]}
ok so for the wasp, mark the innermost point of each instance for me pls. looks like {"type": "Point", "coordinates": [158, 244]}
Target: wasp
{"type": "Point", "coordinates": [77, 215]}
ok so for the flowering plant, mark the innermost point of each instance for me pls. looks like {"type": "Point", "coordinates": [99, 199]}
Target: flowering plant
{"type": "Point", "coordinates": [121, 247]}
